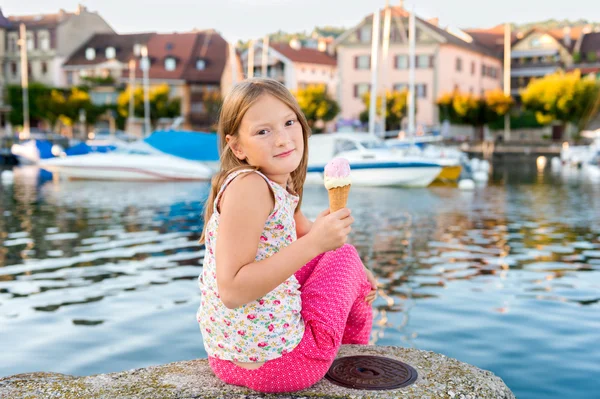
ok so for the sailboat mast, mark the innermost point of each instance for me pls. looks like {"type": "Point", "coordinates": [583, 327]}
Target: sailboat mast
{"type": "Point", "coordinates": [411, 74]}
{"type": "Point", "coordinates": [374, 63]}
{"type": "Point", "coordinates": [384, 63]}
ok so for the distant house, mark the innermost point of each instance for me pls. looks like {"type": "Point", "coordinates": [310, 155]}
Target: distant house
{"type": "Point", "coordinates": [587, 54]}
{"type": "Point", "coordinates": [444, 62]}
{"type": "Point", "coordinates": [295, 65]}
{"type": "Point", "coordinates": [192, 64]}
{"type": "Point", "coordinates": [538, 52]}
{"type": "Point", "coordinates": [51, 38]}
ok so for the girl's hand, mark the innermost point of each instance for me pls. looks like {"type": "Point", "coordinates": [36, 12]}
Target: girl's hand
{"type": "Point", "coordinates": [373, 294]}
{"type": "Point", "coordinates": [330, 230]}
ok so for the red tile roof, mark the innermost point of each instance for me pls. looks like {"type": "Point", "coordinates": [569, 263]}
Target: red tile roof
{"type": "Point", "coordinates": [591, 43]}
{"type": "Point", "coordinates": [492, 38]}
{"type": "Point", "coordinates": [40, 20]}
{"type": "Point", "coordinates": [123, 45]}
{"type": "Point", "coordinates": [213, 49]}
{"type": "Point", "coordinates": [304, 55]}
{"type": "Point", "coordinates": [185, 48]}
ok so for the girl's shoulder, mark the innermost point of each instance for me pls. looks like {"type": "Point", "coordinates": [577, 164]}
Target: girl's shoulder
{"type": "Point", "coordinates": [246, 190]}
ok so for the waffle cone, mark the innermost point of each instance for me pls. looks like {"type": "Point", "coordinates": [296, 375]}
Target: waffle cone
{"type": "Point", "coordinates": [338, 197]}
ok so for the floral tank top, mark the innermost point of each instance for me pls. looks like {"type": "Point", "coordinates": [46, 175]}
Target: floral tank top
{"type": "Point", "coordinates": [264, 329]}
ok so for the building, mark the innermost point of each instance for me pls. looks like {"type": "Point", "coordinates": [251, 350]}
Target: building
{"type": "Point", "coordinates": [295, 64]}
{"type": "Point", "coordinates": [538, 52]}
{"type": "Point", "coordinates": [444, 62]}
{"type": "Point", "coordinates": [192, 64]}
{"type": "Point", "coordinates": [586, 55]}
{"type": "Point", "coordinates": [104, 58]}
{"type": "Point", "coordinates": [50, 39]}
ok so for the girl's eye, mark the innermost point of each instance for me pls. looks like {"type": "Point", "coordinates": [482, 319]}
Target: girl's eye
{"type": "Point", "coordinates": [290, 122]}
{"type": "Point", "coordinates": [262, 132]}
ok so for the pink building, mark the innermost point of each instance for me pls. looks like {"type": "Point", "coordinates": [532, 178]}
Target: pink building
{"type": "Point", "coordinates": [295, 65]}
{"type": "Point", "coordinates": [444, 62]}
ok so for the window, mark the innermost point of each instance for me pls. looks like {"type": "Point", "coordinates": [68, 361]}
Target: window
{"type": "Point", "coordinates": [12, 43]}
{"type": "Point", "coordinates": [344, 145]}
{"type": "Point", "coordinates": [170, 64]}
{"type": "Point", "coordinates": [535, 42]}
{"type": "Point", "coordinates": [13, 68]}
{"type": "Point", "coordinates": [198, 107]}
{"type": "Point", "coordinates": [69, 77]}
{"type": "Point", "coordinates": [169, 46]}
{"type": "Point", "coordinates": [110, 53]}
{"type": "Point", "coordinates": [30, 41]}
{"type": "Point", "coordinates": [362, 62]}
{"type": "Point", "coordinates": [421, 89]}
{"type": "Point", "coordinates": [44, 68]}
{"type": "Point", "coordinates": [200, 65]}
{"type": "Point", "coordinates": [365, 33]}
{"type": "Point", "coordinates": [360, 89]}
{"type": "Point", "coordinates": [401, 61]}
{"type": "Point", "coordinates": [472, 67]}
{"type": "Point", "coordinates": [458, 64]}
{"type": "Point", "coordinates": [483, 70]}
{"type": "Point", "coordinates": [90, 54]}
{"type": "Point", "coordinates": [423, 61]}
{"type": "Point", "coordinates": [44, 40]}
{"type": "Point", "coordinates": [400, 87]}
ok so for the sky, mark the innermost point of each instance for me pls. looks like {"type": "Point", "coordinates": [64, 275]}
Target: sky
{"type": "Point", "coordinates": [248, 19]}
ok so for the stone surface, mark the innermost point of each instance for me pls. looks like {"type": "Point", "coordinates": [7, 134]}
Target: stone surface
{"type": "Point", "coordinates": [439, 377]}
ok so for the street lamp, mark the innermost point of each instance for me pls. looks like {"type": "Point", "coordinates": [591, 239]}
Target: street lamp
{"type": "Point", "coordinates": [145, 64]}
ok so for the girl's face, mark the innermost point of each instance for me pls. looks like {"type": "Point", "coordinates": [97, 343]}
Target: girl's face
{"type": "Point", "coordinates": [270, 138]}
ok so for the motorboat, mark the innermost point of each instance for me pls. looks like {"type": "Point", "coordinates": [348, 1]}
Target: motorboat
{"type": "Point", "coordinates": [371, 161]}
{"type": "Point", "coordinates": [127, 165]}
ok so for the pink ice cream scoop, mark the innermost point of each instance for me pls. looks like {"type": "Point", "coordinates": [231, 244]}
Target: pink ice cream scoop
{"type": "Point", "coordinates": [337, 168]}
{"type": "Point", "coordinates": [337, 173]}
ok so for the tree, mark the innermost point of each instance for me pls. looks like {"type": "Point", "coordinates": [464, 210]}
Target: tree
{"type": "Point", "coordinates": [53, 106]}
{"type": "Point", "coordinates": [395, 108]}
{"type": "Point", "coordinates": [15, 100]}
{"type": "Point", "coordinates": [161, 105]}
{"type": "Point", "coordinates": [561, 97]}
{"type": "Point", "coordinates": [212, 103]}
{"type": "Point", "coordinates": [316, 104]}
{"type": "Point", "coordinates": [468, 109]}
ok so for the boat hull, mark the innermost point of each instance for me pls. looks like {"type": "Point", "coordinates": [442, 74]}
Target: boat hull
{"type": "Point", "coordinates": [127, 167]}
{"type": "Point", "coordinates": [380, 175]}
{"type": "Point", "coordinates": [449, 173]}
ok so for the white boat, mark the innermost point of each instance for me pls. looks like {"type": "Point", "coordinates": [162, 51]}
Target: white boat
{"type": "Point", "coordinates": [127, 166]}
{"type": "Point", "coordinates": [371, 161]}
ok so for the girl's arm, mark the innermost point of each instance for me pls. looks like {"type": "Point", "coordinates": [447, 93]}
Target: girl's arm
{"type": "Point", "coordinates": [244, 208]}
{"type": "Point", "coordinates": [303, 224]}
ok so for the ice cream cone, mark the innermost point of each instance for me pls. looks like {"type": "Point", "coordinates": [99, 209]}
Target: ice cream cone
{"type": "Point", "coordinates": [338, 197]}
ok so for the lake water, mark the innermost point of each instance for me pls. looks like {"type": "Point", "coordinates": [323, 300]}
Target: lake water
{"type": "Point", "coordinates": [101, 277]}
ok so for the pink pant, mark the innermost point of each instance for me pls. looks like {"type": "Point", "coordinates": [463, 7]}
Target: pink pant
{"type": "Point", "coordinates": [333, 290]}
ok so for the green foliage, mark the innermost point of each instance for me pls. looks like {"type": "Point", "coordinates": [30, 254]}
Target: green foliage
{"type": "Point", "coordinates": [591, 56]}
{"type": "Point", "coordinates": [99, 81]}
{"type": "Point", "coordinates": [395, 108]}
{"type": "Point", "coordinates": [564, 97]}
{"type": "Point", "coordinates": [212, 103]}
{"type": "Point", "coordinates": [577, 57]}
{"type": "Point", "coordinates": [518, 120]}
{"type": "Point", "coordinates": [467, 109]}
{"type": "Point", "coordinates": [317, 104]}
{"type": "Point", "coordinates": [15, 100]}
{"type": "Point", "coordinates": [161, 105]}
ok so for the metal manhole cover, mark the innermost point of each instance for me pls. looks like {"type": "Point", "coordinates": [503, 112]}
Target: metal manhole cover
{"type": "Point", "coordinates": [371, 372]}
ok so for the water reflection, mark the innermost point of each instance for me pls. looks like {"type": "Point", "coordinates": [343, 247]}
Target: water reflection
{"type": "Point", "coordinates": [112, 266]}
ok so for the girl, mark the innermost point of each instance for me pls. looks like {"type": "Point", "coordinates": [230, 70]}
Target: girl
{"type": "Point", "coordinates": [280, 294]}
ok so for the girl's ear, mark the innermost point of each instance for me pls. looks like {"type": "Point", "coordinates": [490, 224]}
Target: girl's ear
{"type": "Point", "coordinates": [235, 147]}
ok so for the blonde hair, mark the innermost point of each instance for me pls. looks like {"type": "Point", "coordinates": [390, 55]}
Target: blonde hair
{"type": "Point", "coordinates": [235, 106]}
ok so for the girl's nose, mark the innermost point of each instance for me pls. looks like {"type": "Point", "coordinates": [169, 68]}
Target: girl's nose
{"type": "Point", "coordinates": [281, 137]}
